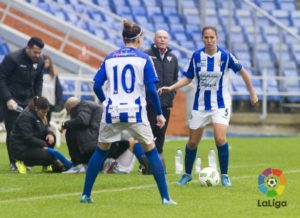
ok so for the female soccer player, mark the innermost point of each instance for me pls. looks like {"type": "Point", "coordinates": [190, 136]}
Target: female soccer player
{"type": "Point", "coordinates": [212, 103]}
{"type": "Point", "coordinates": [128, 72]}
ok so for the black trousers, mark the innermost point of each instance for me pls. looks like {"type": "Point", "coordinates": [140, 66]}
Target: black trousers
{"type": "Point", "coordinates": [158, 133]}
{"type": "Point", "coordinates": [77, 157]}
{"type": "Point", "coordinates": [37, 156]}
{"type": "Point", "coordinates": [9, 121]}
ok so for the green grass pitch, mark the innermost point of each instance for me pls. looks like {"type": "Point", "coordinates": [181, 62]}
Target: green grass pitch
{"type": "Point", "coordinates": [135, 195]}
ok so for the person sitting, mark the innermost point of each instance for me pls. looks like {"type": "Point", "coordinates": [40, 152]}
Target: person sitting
{"type": "Point", "coordinates": [82, 131]}
{"type": "Point", "coordinates": [32, 140]}
{"type": "Point", "coordinates": [122, 156]}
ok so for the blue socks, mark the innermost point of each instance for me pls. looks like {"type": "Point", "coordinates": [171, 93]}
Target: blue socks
{"type": "Point", "coordinates": [138, 151]}
{"type": "Point", "coordinates": [67, 164]}
{"type": "Point", "coordinates": [158, 172]}
{"type": "Point", "coordinates": [223, 154]}
{"type": "Point", "coordinates": [190, 156]}
{"type": "Point", "coordinates": [95, 165]}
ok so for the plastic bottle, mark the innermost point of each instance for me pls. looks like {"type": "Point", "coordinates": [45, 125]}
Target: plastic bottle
{"type": "Point", "coordinates": [212, 159]}
{"type": "Point", "coordinates": [198, 165]}
{"type": "Point", "coordinates": [178, 162]}
{"type": "Point", "coordinates": [18, 108]}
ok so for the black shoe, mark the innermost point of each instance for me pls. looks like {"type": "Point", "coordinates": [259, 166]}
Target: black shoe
{"type": "Point", "coordinates": [13, 167]}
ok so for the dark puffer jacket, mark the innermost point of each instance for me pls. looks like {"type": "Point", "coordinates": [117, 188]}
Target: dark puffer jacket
{"type": "Point", "coordinates": [20, 78]}
{"type": "Point", "coordinates": [167, 72]}
{"type": "Point", "coordinates": [29, 131]}
{"type": "Point", "coordinates": [83, 127]}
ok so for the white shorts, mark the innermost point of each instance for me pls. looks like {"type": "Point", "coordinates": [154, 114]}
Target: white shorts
{"type": "Point", "coordinates": [109, 133]}
{"type": "Point", "coordinates": [199, 119]}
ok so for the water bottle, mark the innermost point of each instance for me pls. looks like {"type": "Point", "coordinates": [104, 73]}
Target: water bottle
{"type": "Point", "coordinates": [212, 159]}
{"type": "Point", "coordinates": [178, 162]}
{"type": "Point", "coordinates": [198, 165]}
{"type": "Point", "coordinates": [18, 108]}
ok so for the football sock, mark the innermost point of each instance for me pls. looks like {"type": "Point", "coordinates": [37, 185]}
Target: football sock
{"type": "Point", "coordinates": [223, 154]}
{"type": "Point", "coordinates": [138, 152]}
{"type": "Point", "coordinates": [158, 172]}
{"type": "Point", "coordinates": [94, 166]}
{"type": "Point", "coordinates": [67, 164]}
{"type": "Point", "coordinates": [190, 156]}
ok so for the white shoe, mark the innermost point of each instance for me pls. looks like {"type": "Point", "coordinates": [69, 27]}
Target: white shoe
{"type": "Point", "coordinates": [76, 169]}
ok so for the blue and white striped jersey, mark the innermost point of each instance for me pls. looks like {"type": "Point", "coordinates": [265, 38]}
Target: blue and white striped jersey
{"type": "Point", "coordinates": [213, 79]}
{"type": "Point", "coordinates": [126, 71]}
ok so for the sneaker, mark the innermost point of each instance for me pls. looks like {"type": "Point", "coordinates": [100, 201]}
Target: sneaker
{"type": "Point", "coordinates": [86, 199]}
{"type": "Point", "coordinates": [47, 169]}
{"type": "Point", "coordinates": [225, 180]}
{"type": "Point", "coordinates": [184, 179]}
{"type": "Point", "coordinates": [80, 168]}
{"type": "Point", "coordinates": [168, 202]}
{"type": "Point", "coordinates": [13, 167]}
{"type": "Point", "coordinates": [29, 169]}
{"type": "Point", "coordinates": [21, 167]}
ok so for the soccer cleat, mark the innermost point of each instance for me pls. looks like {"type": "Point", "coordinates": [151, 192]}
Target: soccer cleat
{"type": "Point", "coordinates": [47, 169]}
{"type": "Point", "coordinates": [80, 168]}
{"type": "Point", "coordinates": [86, 199]}
{"type": "Point", "coordinates": [184, 179]}
{"type": "Point", "coordinates": [21, 167]}
{"type": "Point", "coordinates": [225, 180]}
{"type": "Point", "coordinates": [168, 202]}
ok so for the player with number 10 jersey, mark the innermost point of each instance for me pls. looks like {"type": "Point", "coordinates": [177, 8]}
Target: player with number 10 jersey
{"type": "Point", "coordinates": [126, 70]}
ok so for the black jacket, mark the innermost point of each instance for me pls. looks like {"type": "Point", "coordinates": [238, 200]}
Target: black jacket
{"type": "Point", "coordinates": [167, 72]}
{"type": "Point", "coordinates": [20, 78]}
{"type": "Point", "coordinates": [28, 131]}
{"type": "Point", "coordinates": [84, 125]}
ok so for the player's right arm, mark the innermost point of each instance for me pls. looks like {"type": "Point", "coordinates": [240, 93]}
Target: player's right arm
{"type": "Point", "coordinates": [99, 80]}
{"type": "Point", "coordinates": [181, 83]}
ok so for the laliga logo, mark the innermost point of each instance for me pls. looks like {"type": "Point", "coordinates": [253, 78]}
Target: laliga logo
{"type": "Point", "coordinates": [271, 182]}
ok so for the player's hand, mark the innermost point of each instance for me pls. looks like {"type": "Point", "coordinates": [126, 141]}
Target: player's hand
{"type": "Point", "coordinates": [11, 104]}
{"type": "Point", "coordinates": [164, 89]}
{"type": "Point", "coordinates": [253, 99]}
{"type": "Point", "coordinates": [160, 121]}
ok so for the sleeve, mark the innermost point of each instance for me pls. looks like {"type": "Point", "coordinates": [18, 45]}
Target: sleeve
{"type": "Point", "coordinates": [99, 80]}
{"type": "Point", "coordinates": [175, 79]}
{"type": "Point", "coordinates": [189, 69]}
{"type": "Point", "coordinates": [151, 88]}
{"type": "Point", "coordinates": [38, 84]}
{"type": "Point", "coordinates": [26, 129]}
{"type": "Point", "coordinates": [7, 67]}
{"type": "Point", "coordinates": [149, 72]}
{"type": "Point", "coordinates": [81, 120]}
{"type": "Point", "coordinates": [58, 92]}
{"type": "Point", "coordinates": [234, 64]}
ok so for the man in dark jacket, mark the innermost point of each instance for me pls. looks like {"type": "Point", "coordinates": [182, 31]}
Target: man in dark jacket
{"type": "Point", "coordinates": [166, 66]}
{"type": "Point", "coordinates": [82, 131]}
{"type": "Point", "coordinates": [21, 79]}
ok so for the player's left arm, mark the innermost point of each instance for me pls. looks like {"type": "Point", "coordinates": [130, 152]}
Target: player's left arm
{"type": "Point", "coordinates": [247, 80]}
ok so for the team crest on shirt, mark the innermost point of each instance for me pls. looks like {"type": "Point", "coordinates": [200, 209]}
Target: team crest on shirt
{"type": "Point", "coordinates": [169, 58]}
{"type": "Point", "coordinates": [203, 63]}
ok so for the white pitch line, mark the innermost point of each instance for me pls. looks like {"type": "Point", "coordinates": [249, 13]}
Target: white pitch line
{"type": "Point", "coordinates": [62, 195]}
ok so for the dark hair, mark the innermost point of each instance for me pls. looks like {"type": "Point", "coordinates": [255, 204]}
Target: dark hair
{"type": "Point", "coordinates": [35, 41]}
{"type": "Point", "coordinates": [130, 31]}
{"type": "Point", "coordinates": [39, 102]}
{"type": "Point", "coordinates": [51, 66]}
{"type": "Point", "coordinates": [209, 28]}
